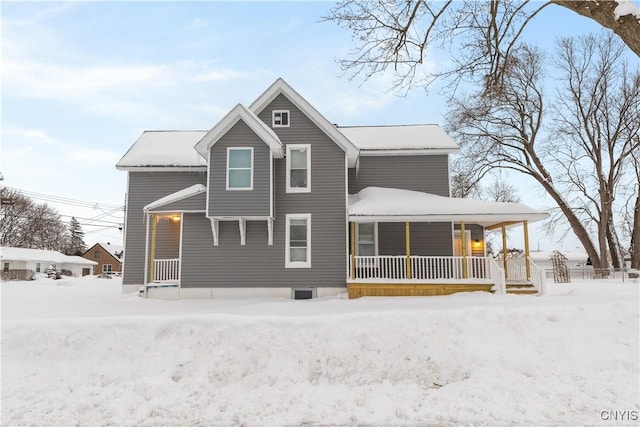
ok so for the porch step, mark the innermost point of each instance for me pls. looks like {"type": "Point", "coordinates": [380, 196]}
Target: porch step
{"type": "Point", "coordinates": [521, 288]}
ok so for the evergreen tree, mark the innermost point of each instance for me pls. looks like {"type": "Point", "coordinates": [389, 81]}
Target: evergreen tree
{"type": "Point", "coordinates": [76, 241]}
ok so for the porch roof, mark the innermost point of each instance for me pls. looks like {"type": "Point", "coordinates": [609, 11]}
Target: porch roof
{"type": "Point", "coordinates": [194, 190]}
{"type": "Point", "coordinates": [376, 204]}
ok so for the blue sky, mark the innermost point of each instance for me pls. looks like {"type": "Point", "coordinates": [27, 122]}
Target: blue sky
{"type": "Point", "coordinates": [81, 81]}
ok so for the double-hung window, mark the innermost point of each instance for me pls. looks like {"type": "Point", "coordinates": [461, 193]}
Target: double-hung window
{"type": "Point", "coordinates": [298, 168]}
{"type": "Point", "coordinates": [240, 168]}
{"type": "Point", "coordinates": [366, 238]}
{"type": "Point", "coordinates": [106, 268]}
{"type": "Point", "coordinates": [298, 241]}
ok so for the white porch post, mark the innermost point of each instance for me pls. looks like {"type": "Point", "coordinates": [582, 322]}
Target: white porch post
{"type": "Point", "coordinates": [527, 266]}
{"type": "Point", "coordinates": [463, 248]}
{"type": "Point", "coordinates": [407, 238]}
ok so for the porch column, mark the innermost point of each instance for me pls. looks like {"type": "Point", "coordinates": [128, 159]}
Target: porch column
{"type": "Point", "coordinates": [352, 251]}
{"type": "Point", "coordinates": [463, 248]}
{"type": "Point", "coordinates": [152, 256]}
{"type": "Point", "coordinates": [407, 240]}
{"type": "Point", "coordinates": [527, 266]}
{"type": "Point", "coordinates": [504, 250]}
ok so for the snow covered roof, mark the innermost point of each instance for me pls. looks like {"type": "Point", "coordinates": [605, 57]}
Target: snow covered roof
{"type": "Point", "coordinates": [281, 87]}
{"type": "Point", "coordinates": [55, 257]}
{"type": "Point", "coordinates": [164, 149]}
{"type": "Point", "coordinates": [115, 250]}
{"type": "Point", "coordinates": [404, 139]}
{"type": "Point", "coordinates": [240, 112]}
{"type": "Point", "coordinates": [395, 205]}
{"type": "Point", "coordinates": [177, 196]}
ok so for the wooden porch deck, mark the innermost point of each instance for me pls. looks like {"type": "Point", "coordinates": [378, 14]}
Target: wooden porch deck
{"type": "Point", "coordinates": [390, 289]}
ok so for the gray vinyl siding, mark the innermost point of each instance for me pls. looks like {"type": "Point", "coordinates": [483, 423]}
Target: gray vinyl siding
{"type": "Point", "coordinates": [429, 174]}
{"type": "Point", "coordinates": [193, 203]}
{"type": "Point", "coordinates": [144, 188]}
{"type": "Point", "coordinates": [254, 202]}
{"type": "Point", "coordinates": [427, 239]}
{"type": "Point", "coordinates": [257, 264]}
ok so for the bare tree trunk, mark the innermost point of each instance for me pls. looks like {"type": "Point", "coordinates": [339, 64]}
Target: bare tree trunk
{"type": "Point", "coordinates": [635, 236]}
{"type": "Point", "coordinates": [614, 245]}
{"type": "Point", "coordinates": [626, 27]}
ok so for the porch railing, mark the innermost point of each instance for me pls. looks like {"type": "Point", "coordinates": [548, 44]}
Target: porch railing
{"type": "Point", "coordinates": [497, 274]}
{"type": "Point", "coordinates": [516, 269]}
{"type": "Point", "coordinates": [537, 277]}
{"type": "Point", "coordinates": [421, 267]}
{"type": "Point", "coordinates": [166, 270]}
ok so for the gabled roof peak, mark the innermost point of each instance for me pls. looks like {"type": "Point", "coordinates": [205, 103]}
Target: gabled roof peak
{"type": "Point", "coordinates": [280, 86]}
{"type": "Point", "coordinates": [240, 112]}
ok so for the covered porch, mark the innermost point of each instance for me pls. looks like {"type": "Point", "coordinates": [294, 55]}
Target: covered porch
{"type": "Point", "coordinates": [464, 268]}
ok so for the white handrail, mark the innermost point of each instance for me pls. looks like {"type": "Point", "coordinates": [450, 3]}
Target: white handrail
{"type": "Point", "coordinates": [537, 277]}
{"type": "Point", "coordinates": [497, 274]}
{"type": "Point", "coordinates": [166, 270]}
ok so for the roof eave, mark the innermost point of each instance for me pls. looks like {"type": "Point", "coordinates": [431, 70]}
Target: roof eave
{"type": "Point", "coordinates": [407, 152]}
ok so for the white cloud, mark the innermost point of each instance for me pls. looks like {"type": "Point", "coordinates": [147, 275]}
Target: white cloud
{"type": "Point", "coordinates": [27, 135]}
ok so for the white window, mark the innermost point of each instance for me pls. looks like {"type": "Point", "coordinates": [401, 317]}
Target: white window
{"type": "Point", "coordinates": [38, 268]}
{"type": "Point", "coordinates": [367, 239]}
{"type": "Point", "coordinates": [298, 168]}
{"type": "Point", "coordinates": [240, 168]}
{"type": "Point", "coordinates": [281, 118]}
{"type": "Point", "coordinates": [106, 268]}
{"type": "Point", "coordinates": [298, 241]}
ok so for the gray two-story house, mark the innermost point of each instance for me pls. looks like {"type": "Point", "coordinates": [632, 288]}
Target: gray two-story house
{"type": "Point", "coordinates": [276, 200]}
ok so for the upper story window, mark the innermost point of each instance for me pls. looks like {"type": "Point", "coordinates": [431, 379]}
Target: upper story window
{"type": "Point", "coordinates": [298, 168]}
{"type": "Point", "coordinates": [298, 241]}
{"type": "Point", "coordinates": [281, 118]}
{"type": "Point", "coordinates": [240, 168]}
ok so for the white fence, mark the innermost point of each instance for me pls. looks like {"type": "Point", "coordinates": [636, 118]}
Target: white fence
{"type": "Point", "coordinates": [421, 267]}
{"type": "Point", "coordinates": [166, 270]}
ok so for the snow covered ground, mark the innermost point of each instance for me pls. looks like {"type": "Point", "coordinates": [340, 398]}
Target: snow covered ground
{"type": "Point", "coordinates": [77, 352]}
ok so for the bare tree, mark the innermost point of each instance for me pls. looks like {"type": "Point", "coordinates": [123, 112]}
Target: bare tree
{"type": "Point", "coordinates": [398, 34]}
{"type": "Point", "coordinates": [597, 120]}
{"type": "Point", "coordinates": [25, 224]}
{"type": "Point", "coordinates": [594, 131]}
{"type": "Point", "coordinates": [501, 191]}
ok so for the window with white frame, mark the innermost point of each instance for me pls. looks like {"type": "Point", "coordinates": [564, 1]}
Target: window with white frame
{"type": "Point", "coordinates": [106, 268]}
{"type": "Point", "coordinates": [240, 168]}
{"type": "Point", "coordinates": [38, 268]}
{"type": "Point", "coordinates": [298, 168]}
{"type": "Point", "coordinates": [280, 119]}
{"type": "Point", "coordinates": [367, 239]}
{"type": "Point", "coordinates": [298, 241]}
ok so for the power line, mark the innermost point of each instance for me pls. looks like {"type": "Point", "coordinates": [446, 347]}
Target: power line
{"type": "Point", "coordinates": [66, 200]}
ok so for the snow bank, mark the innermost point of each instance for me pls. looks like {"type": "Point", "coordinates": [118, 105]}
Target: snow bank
{"type": "Point", "coordinates": [79, 352]}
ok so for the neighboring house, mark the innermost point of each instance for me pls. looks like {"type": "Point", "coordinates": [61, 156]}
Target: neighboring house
{"type": "Point", "coordinates": [17, 261]}
{"type": "Point", "coordinates": [107, 256]}
{"type": "Point", "coordinates": [276, 200]}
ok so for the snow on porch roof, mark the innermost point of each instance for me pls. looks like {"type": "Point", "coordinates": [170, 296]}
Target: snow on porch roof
{"type": "Point", "coordinates": [375, 204]}
{"type": "Point", "coordinates": [403, 138]}
{"type": "Point", "coordinates": [177, 196]}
